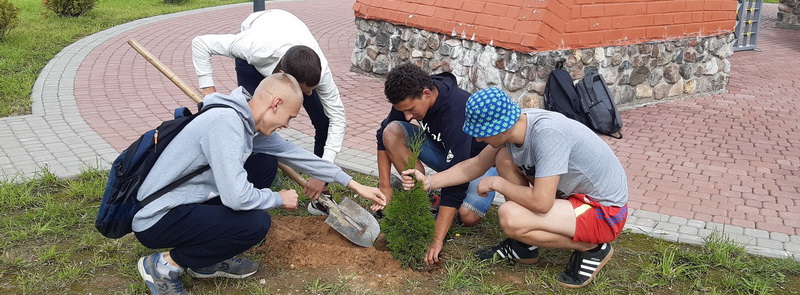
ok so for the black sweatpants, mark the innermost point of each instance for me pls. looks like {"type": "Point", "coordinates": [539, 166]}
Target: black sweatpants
{"type": "Point", "coordinates": [201, 235]}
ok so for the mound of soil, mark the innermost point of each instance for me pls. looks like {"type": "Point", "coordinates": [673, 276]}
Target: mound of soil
{"type": "Point", "coordinates": [308, 243]}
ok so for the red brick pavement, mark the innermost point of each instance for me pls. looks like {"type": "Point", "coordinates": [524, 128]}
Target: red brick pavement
{"type": "Point", "coordinates": [730, 158]}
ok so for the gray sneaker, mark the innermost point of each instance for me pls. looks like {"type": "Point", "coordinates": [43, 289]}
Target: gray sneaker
{"type": "Point", "coordinates": [159, 284]}
{"type": "Point", "coordinates": [235, 268]}
{"type": "Point", "coordinates": [316, 208]}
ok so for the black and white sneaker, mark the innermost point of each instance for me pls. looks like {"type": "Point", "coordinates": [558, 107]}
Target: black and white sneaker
{"type": "Point", "coordinates": [316, 208]}
{"type": "Point", "coordinates": [584, 266]}
{"type": "Point", "coordinates": [511, 250]}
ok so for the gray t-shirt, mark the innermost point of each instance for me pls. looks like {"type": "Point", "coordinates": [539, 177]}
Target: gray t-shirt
{"type": "Point", "coordinates": [557, 145]}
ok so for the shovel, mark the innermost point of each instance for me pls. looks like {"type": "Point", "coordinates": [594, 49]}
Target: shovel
{"type": "Point", "coordinates": [348, 218]}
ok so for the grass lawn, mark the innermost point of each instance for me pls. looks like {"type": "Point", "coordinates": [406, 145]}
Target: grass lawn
{"type": "Point", "coordinates": [48, 245]}
{"type": "Point", "coordinates": [41, 34]}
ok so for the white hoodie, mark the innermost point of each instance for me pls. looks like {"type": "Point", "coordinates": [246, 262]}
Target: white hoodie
{"type": "Point", "coordinates": [265, 36]}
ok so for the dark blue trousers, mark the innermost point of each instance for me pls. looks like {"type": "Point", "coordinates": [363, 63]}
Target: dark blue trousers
{"type": "Point", "coordinates": [201, 235]}
{"type": "Point", "coordinates": [261, 168]}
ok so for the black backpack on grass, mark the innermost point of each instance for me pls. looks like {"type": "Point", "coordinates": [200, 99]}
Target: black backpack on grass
{"type": "Point", "coordinates": [130, 168]}
{"type": "Point", "coordinates": [588, 102]}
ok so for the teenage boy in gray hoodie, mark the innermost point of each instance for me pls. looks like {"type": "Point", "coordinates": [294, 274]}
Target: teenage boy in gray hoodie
{"type": "Point", "coordinates": [219, 214]}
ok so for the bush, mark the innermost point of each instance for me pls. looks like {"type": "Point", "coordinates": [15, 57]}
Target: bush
{"type": "Point", "coordinates": [71, 8]}
{"type": "Point", "coordinates": [8, 17]}
{"type": "Point", "coordinates": [408, 222]}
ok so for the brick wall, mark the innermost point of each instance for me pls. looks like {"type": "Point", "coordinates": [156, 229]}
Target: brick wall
{"type": "Point", "coordinates": [543, 25]}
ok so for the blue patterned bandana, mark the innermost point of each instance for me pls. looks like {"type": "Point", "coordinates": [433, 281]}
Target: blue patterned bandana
{"type": "Point", "coordinates": [489, 112]}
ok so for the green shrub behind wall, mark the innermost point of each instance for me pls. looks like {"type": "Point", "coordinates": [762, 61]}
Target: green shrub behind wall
{"type": "Point", "coordinates": [408, 223]}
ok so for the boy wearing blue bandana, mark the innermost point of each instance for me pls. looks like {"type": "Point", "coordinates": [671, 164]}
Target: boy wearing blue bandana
{"type": "Point", "coordinates": [564, 186]}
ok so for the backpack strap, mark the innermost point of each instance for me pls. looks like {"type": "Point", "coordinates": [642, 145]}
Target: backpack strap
{"type": "Point", "coordinates": [172, 186]}
{"type": "Point", "coordinates": [149, 199]}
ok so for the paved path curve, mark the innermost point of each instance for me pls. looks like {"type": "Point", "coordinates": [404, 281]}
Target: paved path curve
{"type": "Point", "coordinates": [726, 162]}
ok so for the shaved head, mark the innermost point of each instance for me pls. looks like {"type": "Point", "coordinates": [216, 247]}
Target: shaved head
{"type": "Point", "coordinates": [279, 85]}
{"type": "Point", "coordinates": [277, 100]}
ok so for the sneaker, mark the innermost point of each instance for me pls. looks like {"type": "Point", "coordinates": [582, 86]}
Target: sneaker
{"type": "Point", "coordinates": [316, 208]}
{"type": "Point", "coordinates": [511, 250]}
{"type": "Point", "coordinates": [158, 283]}
{"type": "Point", "coordinates": [584, 266]}
{"type": "Point", "coordinates": [235, 268]}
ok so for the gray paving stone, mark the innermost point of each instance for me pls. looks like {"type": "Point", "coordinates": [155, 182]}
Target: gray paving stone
{"type": "Point", "coordinates": [769, 243]}
{"type": "Point", "coordinates": [688, 230]}
{"type": "Point", "coordinates": [761, 251]}
{"type": "Point", "coordinates": [637, 229]}
{"type": "Point", "coordinates": [666, 226]}
{"type": "Point", "coordinates": [691, 239]}
{"type": "Point", "coordinates": [724, 228]}
{"type": "Point", "coordinates": [742, 239]}
{"type": "Point", "coordinates": [794, 255]}
{"type": "Point", "coordinates": [696, 223]}
{"type": "Point", "coordinates": [782, 237]}
{"type": "Point", "coordinates": [652, 215]}
{"type": "Point", "coordinates": [677, 220]}
{"type": "Point", "coordinates": [646, 222]}
{"type": "Point", "coordinates": [795, 239]}
{"type": "Point", "coordinates": [669, 236]}
{"type": "Point", "coordinates": [758, 233]}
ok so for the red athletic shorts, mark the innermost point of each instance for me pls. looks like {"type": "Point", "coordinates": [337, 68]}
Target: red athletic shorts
{"type": "Point", "coordinates": [595, 223]}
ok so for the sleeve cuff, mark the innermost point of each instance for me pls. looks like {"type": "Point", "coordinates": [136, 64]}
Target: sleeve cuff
{"type": "Point", "coordinates": [206, 81]}
{"type": "Point", "coordinates": [329, 155]}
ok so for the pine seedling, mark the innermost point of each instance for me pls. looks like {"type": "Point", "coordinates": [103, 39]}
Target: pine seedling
{"type": "Point", "coordinates": [408, 222]}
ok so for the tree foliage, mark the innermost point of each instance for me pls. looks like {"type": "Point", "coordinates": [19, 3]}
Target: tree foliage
{"type": "Point", "coordinates": [408, 222]}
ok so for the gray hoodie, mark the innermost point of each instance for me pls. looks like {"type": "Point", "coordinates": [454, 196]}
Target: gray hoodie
{"type": "Point", "coordinates": [223, 138]}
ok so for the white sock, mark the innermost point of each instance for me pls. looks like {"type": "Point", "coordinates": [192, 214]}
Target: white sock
{"type": "Point", "coordinates": [164, 268]}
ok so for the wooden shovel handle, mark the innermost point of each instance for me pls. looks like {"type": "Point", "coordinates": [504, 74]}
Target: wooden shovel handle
{"type": "Point", "coordinates": [166, 71]}
{"type": "Point", "coordinates": [196, 96]}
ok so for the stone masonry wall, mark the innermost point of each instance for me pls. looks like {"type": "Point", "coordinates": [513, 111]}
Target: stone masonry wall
{"type": "Point", "coordinates": [636, 74]}
{"type": "Point", "coordinates": [789, 14]}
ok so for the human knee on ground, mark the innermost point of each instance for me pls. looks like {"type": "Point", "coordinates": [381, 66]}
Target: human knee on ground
{"type": "Point", "coordinates": [468, 218]}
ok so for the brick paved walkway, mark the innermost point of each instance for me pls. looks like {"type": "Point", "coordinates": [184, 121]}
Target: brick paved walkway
{"type": "Point", "coordinates": [725, 162]}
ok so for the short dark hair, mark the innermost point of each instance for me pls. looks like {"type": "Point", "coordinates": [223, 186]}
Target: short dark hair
{"type": "Point", "coordinates": [303, 64]}
{"type": "Point", "coordinates": [406, 80]}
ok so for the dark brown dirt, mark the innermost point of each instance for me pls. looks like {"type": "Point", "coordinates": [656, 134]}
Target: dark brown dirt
{"type": "Point", "coordinates": [309, 243]}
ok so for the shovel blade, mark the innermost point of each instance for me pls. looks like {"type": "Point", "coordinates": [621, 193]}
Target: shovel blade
{"type": "Point", "coordinates": [353, 222]}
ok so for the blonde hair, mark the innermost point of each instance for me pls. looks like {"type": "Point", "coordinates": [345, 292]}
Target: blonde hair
{"type": "Point", "coordinates": [281, 85]}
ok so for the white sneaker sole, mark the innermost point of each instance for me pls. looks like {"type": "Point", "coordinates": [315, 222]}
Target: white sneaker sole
{"type": "Point", "coordinates": [315, 211]}
{"type": "Point", "coordinates": [220, 274]}
{"type": "Point", "coordinates": [148, 279]}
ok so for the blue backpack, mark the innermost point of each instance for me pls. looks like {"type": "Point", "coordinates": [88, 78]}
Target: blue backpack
{"type": "Point", "coordinates": [129, 170]}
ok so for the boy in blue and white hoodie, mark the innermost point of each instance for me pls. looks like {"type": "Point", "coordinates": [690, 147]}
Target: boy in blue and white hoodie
{"type": "Point", "coordinates": [219, 214]}
{"type": "Point", "coordinates": [437, 104]}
